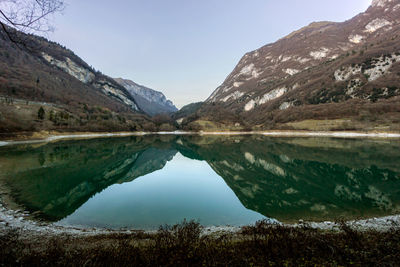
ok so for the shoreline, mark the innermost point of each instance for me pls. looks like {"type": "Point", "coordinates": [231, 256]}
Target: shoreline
{"type": "Point", "coordinates": [19, 220]}
{"type": "Point", "coordinates": [25, 139]}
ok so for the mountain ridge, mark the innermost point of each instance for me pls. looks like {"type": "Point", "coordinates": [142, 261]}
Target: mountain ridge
{"type": "Point", "coordinates": [45, 75]}
{"type": "Point", "coordinates": [330, 64]}
{"type": "Point", "coordinates": [149, 100]}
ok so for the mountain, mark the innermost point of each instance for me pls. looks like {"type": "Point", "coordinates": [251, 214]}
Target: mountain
{"type": "Point", "coordinates": [152, 102]}
{"type": "Point", "coordinates": [40, 74]}
{"type": "Point", "coordinates": [186, 111]}
{"type": "Point", "coordinates": [346, 73]}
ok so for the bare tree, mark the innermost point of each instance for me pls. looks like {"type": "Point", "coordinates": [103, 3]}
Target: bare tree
{"type": "Point", "coordinates": [28, 16]}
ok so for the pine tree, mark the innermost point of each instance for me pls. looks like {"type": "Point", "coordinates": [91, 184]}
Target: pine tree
{"type": "Point", "coordinates": [41, 113]}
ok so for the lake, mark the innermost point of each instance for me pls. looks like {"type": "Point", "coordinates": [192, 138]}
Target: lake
{"type": "Point", "coordinates": [143, 182]}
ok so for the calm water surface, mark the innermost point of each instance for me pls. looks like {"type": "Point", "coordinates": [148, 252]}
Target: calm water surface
{"type": "Point", "coordinates": [144, 182]}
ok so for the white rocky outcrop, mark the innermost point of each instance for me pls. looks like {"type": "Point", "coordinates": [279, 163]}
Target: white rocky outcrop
{"type": "Point", "coordinates": [247, 69]}
{"type": "Point", "coordinates": [377, 68]}
{"type": "Point", "coordinates": [380, 3]}
{"type": "Point", "coordinates": [226, 89]}
{"type": "Point", "coordinates": [344, 74]}
{"type": "Point", "coordinates": [286, 58]}
{"type": "Point", "coordinates": [380, 66]}
{"type": "Point", "coordinates": [271, 95]}
{"type": "Point", "coordinates": [70, 67]}
{"type": "Point", "coordinates": [295, 86]}
{"type": "Point", "coordinates": [319, 54]}
{"type": "Point", "coordinates": [291, 72]}
{"type": "Point", "coordinates": [250, 105]}
{"type": "Point", "coordinates": [110, 90]}
{"type": "Point", "coordinates": [302, 60]}
{"type": "Point", "coordinates": [352, 86]}
{"type": "Point", "coordinates": [86, 76]}
{"type": "Point", "coordinates": [149, 94]}
{"type": "Point", "coordinates": [356, 39]}
{"type": "Point", "coordinates": [334, 57]}
{"type": "Point", "coordinates": [376, 24]}
{"type": "Point", "coordinates": [235, 95]}
{"type": "Point", "coordinates": [237, 84]}
{"type": "Point", "coordinates": [285, 105]}
{"type": "Point", "coordinates": [251, 71]}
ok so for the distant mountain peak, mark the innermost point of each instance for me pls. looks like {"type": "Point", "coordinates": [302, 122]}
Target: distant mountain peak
{"type": "Point", "coordinates": [149, 100]}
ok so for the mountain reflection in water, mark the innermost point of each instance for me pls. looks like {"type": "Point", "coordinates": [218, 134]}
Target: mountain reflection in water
{"type": "Point", "coordinates": [283, 178]}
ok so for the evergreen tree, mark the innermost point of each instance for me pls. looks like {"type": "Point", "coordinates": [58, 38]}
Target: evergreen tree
{"type": "Point", "coordinates": [41, 113]}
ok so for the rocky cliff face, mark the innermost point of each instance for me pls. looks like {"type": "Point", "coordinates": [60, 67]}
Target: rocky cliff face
{"type": "Point", "coordinates": [150, 101]}
{"type": "Point", "coordinates": [325, 62]}
{"type": "Point", "coordinates": [87, 76]}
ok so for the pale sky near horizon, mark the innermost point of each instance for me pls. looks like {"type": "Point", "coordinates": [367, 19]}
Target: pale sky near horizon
{"type": "Point", "coordinates": [184, 48]}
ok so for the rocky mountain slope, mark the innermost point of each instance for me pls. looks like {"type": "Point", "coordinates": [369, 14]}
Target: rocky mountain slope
{"type": "Point", "coordinates": [74, 96]}
{"type": "Point", "coordinates": [327, 70]}
{"type": "Point", "coordinates": [152, 102]}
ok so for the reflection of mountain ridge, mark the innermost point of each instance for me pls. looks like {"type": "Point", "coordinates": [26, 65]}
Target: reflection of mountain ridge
{"type": "Point", "coordinates": [283, 178]}
{"type": "Point", "coordinates": [294, 178]}
{"type": "Point", "coordinates": [81, 169]}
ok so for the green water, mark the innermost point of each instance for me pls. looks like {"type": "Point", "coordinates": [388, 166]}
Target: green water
{"type": "Point", "coordinates": [147, 181]}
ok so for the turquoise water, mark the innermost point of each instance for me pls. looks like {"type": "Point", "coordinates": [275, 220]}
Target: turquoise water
{"type": "Point", "coordinates": [183, 189]}
{"type": "Point", "coordinates": [145, 182]}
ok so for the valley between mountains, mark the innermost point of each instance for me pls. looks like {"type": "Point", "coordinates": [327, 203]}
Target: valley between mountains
{"type": "Point", "coordinates": [327, 76]}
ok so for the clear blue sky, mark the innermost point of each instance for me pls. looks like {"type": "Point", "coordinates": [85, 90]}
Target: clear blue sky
{"type": "Point", "coordinates": [184, 48]}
